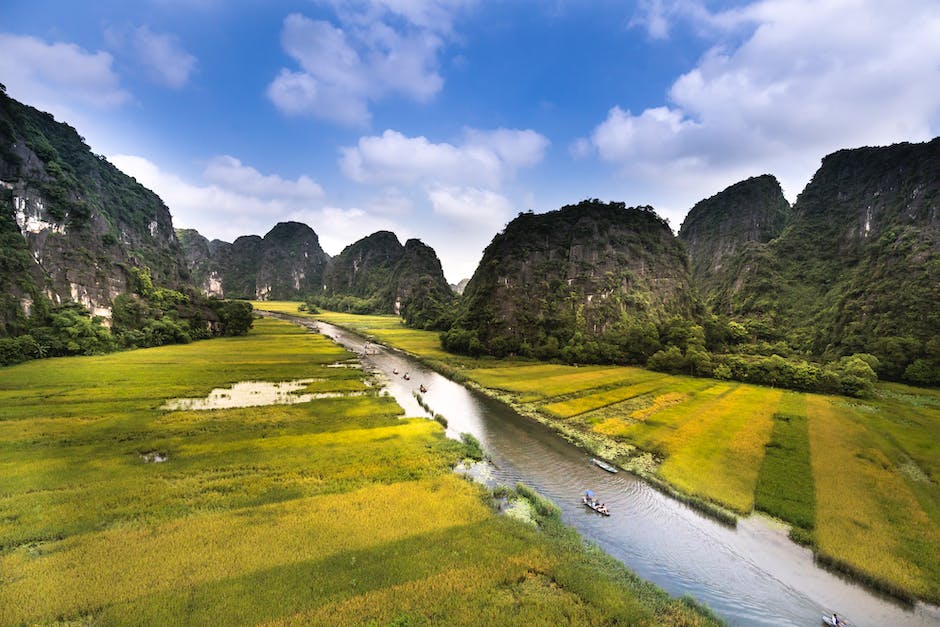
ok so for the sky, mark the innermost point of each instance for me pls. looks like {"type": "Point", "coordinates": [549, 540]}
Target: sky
{"type": "Point", "coordinates": [443, 119]}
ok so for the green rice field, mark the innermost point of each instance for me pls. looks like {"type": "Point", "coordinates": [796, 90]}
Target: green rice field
{"type": "Point", "coordinates": [117, 511]}
{"type": "Point", "coordinates": [858, 479]}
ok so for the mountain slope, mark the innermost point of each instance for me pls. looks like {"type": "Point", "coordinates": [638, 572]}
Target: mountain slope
{"type": "Point", "coordinates": [286, 264]}
{"type": "Point", "coordinates": [378, 275]}
{"type": "Point", "coordinates": [857, 267]}
{"type": "Point", "coordinates": [573, 277]}
{"type": "Point", "coordinates": [718, 229]}
{"type": "Point", "coordinates": [84, 223]}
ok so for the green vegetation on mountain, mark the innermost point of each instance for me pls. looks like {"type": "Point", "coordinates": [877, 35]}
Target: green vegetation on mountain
{"type": "Point", "coordinates": [84, 246]}
{"type": "Point", "coordinates": [588, 282]}
{"type": "Point", "coordinates": [84, 222]}
{"type": "Point", "coordinates": [717, 229]}
{"type": "Point", "coordinates": [287, 263]}
{"type": "Point", "coordinates": [378, 275]}
{"type": "Point", "coordinates": [117, 510]}
{"type": "Point", "coordinates": [856, 269]}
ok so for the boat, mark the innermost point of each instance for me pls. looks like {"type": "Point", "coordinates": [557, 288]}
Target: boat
{"type": "Point", "coordinates": [830, 619]}
{"type": "Point", "coordinates": [604, 465]}
{"type": "Point", "coordinates": [422, 388]}
{"type": "Point", "coordinates": [395, 371]}
{"type": "Point", "coordinates": [405, 376]}
{"type": "Point", "coordinates": [591, 502]}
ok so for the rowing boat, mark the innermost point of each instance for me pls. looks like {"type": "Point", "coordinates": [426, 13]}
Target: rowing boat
{"type": "Point", "coordinates": [597, 507]}
{"type": "Point", "coordinates": [603, 464]}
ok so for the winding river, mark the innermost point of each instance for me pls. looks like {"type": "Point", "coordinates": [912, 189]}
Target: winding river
{"type": "Point", "coordinates": [752, 575]}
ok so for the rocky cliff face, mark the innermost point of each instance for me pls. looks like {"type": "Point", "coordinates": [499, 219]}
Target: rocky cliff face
{"type": "Point", "coordinates": [406, 280]}
{"type": "Point", "coordinates": [857, 266]}
{"type": "Point", "coordinates": [72, 224]}
{"type": "Point", "coordinates": [287, 263]}
{"type": "Point", "coordinates": [576, 271]}
{"type": "Point", "coordinates": [364, 269]}
{"type": "Point", "coordinates": [718, 229]}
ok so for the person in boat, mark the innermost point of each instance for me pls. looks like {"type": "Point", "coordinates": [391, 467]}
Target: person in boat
{"type": "Point", "coordinates": [836, 620]}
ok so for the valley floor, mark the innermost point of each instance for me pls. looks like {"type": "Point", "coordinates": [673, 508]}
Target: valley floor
{"type": "Point", "coordinates": [117, 510]}
{"type": "Point", "coordinates": [858, 479]}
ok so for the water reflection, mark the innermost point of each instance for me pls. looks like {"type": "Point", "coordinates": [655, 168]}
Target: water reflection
{"type": "Point", "coordinates": [254, 394]}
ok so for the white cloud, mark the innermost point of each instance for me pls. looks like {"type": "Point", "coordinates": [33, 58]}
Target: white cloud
{"type": "Point", "coordinates": [229, 172]}
{"type": "Point", "coordinates": [458, 180]}
{"type": "Point", "coordinates": [515, 148]}
{"type": "Point", "coordinates": [337, 228]}
{"type": "Point", "coordinates": [222, 206]}
{"type": "Point", "coordinates": [482, 158]}
{"type": "Point", "coordinates": [805, 79]}
{"type": "Point", "coordinates": [55, 77]}
{"type": "Point", "coordinates": [465, 221]}
{"type": "Point", "coordinates": [380, 48]}
{"type": "Point", "coordinates": [470, 204]}
{"type": "Point", "coordinates": [164, 58]}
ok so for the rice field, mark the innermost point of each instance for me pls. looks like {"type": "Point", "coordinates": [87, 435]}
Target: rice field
{"type": "Point", "coordinates": [115, 511]}
{"type": "Point", "coordinates": [871, 516]}
{"type": "Point", "coordinates": [785, 484]}
{"type": "Point", "coordinates": [858, 478]}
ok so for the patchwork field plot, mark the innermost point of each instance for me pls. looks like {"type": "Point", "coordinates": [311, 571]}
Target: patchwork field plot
{"type": "Point", "coordinates": [858, 479]}
{"type": "Point", "coordinates": [115, 511]}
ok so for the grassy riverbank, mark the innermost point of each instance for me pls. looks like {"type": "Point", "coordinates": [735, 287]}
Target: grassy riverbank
{"type": "Point", "coordinates": [859, 480]}
{"type": "Point", "coordinates": [115, 511]}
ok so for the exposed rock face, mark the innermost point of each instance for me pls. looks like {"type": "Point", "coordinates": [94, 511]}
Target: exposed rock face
{"type": "Point", "coordinates": [579, 269]}
{"type": "Point", "coordinates": [285, 264]}
{"type": "Point", "coordinates": [857, 267]}
{"type": "Point", "coordinates": [406, 280]}
{"type": "Point", "coordinates": [751, 212]}
{"type": "Point", "coordinates": [422, 296]}
{"type": "Point", "coordinates": [202, 260]}
{"type": "Point", "coordinates": [364, 269]}
{"type": "Point", "coordinates": [80, 221]}
{"type": "Point", "coordinates": [460, 286]}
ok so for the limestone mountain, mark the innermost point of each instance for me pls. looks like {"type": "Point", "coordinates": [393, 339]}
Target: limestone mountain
{"type": "Point", "coordinates": [856, 268]}
{"type": "Point", "coordinates": [72, 226]}
{"type": "Point", "coordinates": [364, 269]}
{"type": "Point", "coordinates": [287, 263]}
{"type": "Point", "coordinates": [717, 230]}
{"type": "Point", "coordinates": [575, 277]}
{"type": "Point", "coordinates": [378, 275]}
{"type": "Point", "coordinates": [460, 286]}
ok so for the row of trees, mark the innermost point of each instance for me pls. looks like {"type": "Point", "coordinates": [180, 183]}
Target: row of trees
{"type": "Point", "coordinates": [749, 351]}
{"type": "Point", "coordinates": [149, 316]}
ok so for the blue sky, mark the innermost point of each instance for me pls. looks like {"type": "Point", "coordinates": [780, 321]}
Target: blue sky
{"type": "Point", "coordinates": [442, 119]}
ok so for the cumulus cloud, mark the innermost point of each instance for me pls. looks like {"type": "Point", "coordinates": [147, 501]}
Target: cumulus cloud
{"type": "Point", "coordinates": [786, 82]}
{"type": "Point", "coordinates": [231, 173]}
{"type": "Point", "coordinates": [379, 48]}
{"type": "Point", "coordinates": [460, 181]}
{"type": "Point", "coordinates": [56, 76]}
{"type": "Point", "coordinates": [164, 58]}
{"type": "Point", "coordinates": [466, 218]}
{"type": "Point", "coordinates": [470, 204]}
{"type": "Point", "coordinates": [481, 158]}
{"type": "Point", "coordinates": [231, 200]}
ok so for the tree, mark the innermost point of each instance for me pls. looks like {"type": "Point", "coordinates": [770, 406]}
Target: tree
{"type": "Point", "coordinates": [235, 316]}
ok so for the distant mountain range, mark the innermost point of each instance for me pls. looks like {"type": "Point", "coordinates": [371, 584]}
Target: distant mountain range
{"type": "Point", "coordinates": [853, 267]}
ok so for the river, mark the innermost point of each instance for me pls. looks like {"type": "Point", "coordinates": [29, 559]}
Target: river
{"type": "Point", "coordinates": [751, 575]}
